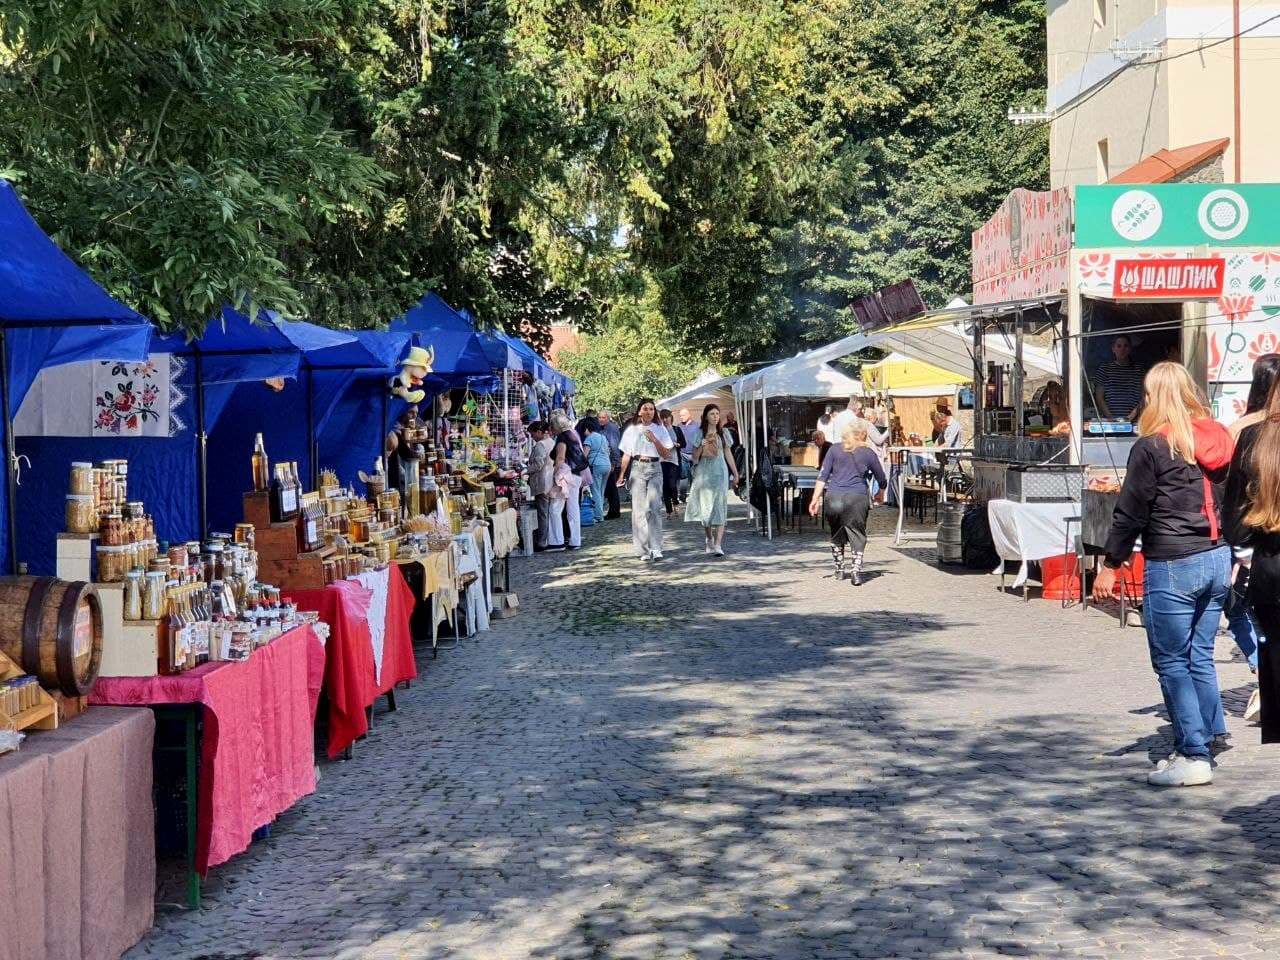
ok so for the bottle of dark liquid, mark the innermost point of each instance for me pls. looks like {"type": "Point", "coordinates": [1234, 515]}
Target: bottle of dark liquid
{"type": "Point", "coordinates": [284, 495]}
{"type": "Point", "coordinates": [261, 466]}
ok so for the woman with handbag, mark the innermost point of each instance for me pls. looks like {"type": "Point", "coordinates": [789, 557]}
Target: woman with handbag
{"type": "Point", "coordinates": [1170, 499]}
{"type": "Point", "coordinates": [570, 468]}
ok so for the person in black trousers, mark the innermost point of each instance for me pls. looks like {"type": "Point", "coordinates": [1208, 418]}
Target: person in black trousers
{"type": "Point", "coordinates": [1251, 521]}
{"type": "Point", "coordinates": [843, 496]}
{"type": "Point", "coordinates": [671, 464]}
{"type": "Point", "coordinates": [613, 434]}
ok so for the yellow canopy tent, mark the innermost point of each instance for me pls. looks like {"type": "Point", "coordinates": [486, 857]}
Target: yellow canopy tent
{"type": "Point", "coordinates": [916, 388]}
{"type": "Point", "coordinates": [900, 374]}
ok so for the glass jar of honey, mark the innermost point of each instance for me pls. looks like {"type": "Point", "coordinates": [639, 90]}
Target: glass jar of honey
{"type": "Point", "coordinates": [81, 515]}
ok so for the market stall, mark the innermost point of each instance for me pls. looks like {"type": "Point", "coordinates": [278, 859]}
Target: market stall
{"type": "Point", "coordinates": [51, 314]}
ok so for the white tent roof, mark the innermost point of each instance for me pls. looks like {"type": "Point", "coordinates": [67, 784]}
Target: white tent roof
{"type": "Point", "coordinates": [798, 377]}
{"type": "Point", "coordinates": [707, 385]}
{"type": "Point", "coordinates": [939, 338]}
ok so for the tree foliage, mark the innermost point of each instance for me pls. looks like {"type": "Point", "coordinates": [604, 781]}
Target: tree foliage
{"type": "Point", "coordinates": [741, 169]}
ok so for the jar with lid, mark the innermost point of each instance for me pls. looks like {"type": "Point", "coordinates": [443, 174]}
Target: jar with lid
{"type": "Point", "coordinates": [82, 479]}
{"type": "Point", "coordinates": [245, 534]}
{"type": "Point", "coordinates": [81, 515]}
{"type": "Point", "coordinates": [133, 595]}
{"type": "Point", "coordinates": [212, 561]}
{"type": "Point", "coordinates": [153, 595]}
{"type": "Point", "coordinates": [110, 563]}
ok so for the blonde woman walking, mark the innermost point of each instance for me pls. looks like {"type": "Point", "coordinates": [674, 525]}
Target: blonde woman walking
{"type": "Point", "coordinates": [644, 443]}
{"type": "Point", "coordinates": [843, 496]}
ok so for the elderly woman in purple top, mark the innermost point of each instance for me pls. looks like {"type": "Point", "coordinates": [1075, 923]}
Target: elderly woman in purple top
{"type": "Point", "coordinates": [843, 495]}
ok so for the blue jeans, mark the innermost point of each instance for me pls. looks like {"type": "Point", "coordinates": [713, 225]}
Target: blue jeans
{"type": "Point", "coordinates": [1243, 629]}
{"type": "Point", "coordinates": [1183, 602]}
{"type": "Point", "coordinates": [599, 477]}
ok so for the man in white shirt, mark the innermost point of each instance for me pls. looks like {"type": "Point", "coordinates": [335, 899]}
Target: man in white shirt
{"type": "Point", "coordinates": [643, 445]}
{"type": "Point", "coordinates": [952, 432]}
{"type": "Point", "coordinates": [541, 476]}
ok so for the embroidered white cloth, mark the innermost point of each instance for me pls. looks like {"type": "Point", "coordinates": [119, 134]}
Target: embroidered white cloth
{"type": "Point", "coordinates": [104, 398]}
{"type": "Point", "coordinates": [377, 582]}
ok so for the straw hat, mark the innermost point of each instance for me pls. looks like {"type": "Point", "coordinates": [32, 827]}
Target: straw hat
{"type": "Point", "coordinates": [418, 357]}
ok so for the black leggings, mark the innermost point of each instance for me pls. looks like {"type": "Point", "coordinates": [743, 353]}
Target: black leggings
{"type": "Point", "coordinates": [846, 515]}
{"type": "Point", "coordinates": [670, 485]}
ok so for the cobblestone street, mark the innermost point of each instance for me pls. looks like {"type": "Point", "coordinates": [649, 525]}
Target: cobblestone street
{"type": "Point", "coordinates": [741, 758]}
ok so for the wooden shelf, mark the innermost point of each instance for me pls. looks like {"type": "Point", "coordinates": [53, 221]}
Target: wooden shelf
{"type": "Point", "coordinates": [43, 716]}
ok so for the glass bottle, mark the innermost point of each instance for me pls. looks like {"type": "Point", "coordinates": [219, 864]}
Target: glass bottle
{"type": "Point", "coordinates": [261, 466]}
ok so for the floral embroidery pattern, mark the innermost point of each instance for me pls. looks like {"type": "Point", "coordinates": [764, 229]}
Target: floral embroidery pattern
{"type": "Point", "coordinates": [133, 400]}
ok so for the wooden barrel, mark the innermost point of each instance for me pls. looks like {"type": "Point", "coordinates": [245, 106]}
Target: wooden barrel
{"type": "Point", "coordinates": [950, 548]}
{"type": "Point", "coordinates": [53, 629]}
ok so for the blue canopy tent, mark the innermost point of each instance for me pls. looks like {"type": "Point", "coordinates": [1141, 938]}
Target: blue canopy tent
{"type": "Point", "coordinates": [538, 368]}
{"type": "Point", "coordinates": [291, 419]}
{"type": "Point", "coordinates": [51, 313]}
{"type": "Point", "coordinates": [232, 350]}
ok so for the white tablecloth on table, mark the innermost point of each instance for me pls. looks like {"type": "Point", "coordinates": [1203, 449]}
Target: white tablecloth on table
{"type": "Point", "coordinates": [1029, 531]}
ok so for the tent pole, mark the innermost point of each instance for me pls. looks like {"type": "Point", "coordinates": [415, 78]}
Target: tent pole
{"type": "Point", "coordinates": [10, 457]}
{"type": "Point", "coordinates": [202, 448]}
{"type": "Point", "coordinates": [768, 500]}
{"type": "Point", "coordinates": [313, 447]}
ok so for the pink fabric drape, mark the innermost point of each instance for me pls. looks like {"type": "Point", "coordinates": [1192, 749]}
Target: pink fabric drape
{"type": "Point", "coordinates": [257, 753]}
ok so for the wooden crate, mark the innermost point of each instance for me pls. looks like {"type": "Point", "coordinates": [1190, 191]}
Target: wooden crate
{"type": "Point", "coordinates": [257, 509]}
{"type": "Point", "coordinates": [43, 716]}
{"type": "Point", "coordinates": [303, 571]}
{"type": "Point", "coordinates": [279, 541]}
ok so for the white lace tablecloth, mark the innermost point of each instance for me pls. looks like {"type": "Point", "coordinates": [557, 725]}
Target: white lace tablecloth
{"type": "Point", "coordinates": [376, 581]}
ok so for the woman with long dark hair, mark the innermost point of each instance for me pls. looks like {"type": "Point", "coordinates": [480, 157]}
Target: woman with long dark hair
{"type": "Point", "coordinates": [713, 464]}
{"type": "Point", "coordinates": [1240, 621]}
{"type": "Point", "coordinates": [1170, 499]}
{"type": "Point", "coordinates": [644, 443]}
{"type": "Point", "coordinates": [1251, 517]}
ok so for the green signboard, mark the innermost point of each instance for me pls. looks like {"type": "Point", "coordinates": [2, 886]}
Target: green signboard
{"type": "Point", "coordinates": [1178, 215]}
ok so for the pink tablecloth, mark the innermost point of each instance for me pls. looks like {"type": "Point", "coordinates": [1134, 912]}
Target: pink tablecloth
{"type": "Point", "coordinates": [77, 839]}
{"type": "Point", "coordinates": [257, 757]}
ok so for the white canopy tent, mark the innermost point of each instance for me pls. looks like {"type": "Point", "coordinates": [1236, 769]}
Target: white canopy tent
{"type": "Point", "coordinates": [940, 337]}
{"type": "Point", "coordinates": [707, 387]}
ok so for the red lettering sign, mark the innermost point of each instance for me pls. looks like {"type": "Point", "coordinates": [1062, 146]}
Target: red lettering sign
{"type": "Point", "coordinates": [1163, 278]}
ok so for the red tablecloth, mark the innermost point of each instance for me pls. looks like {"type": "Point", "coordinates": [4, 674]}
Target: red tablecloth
{"type": "Point", "coordinates": [351, 680]}
{"type": "Point", "coordinates": [257, 754]}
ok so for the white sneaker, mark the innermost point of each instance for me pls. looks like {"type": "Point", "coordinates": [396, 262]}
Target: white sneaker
{"type": "Point", "coordinates": [708, 551]}
{"type": "Point", "coordinates": [1182, 772]}
{"type": "Point", "coordinates": [719, 551]}
{"type": "Point", "coordinates": [643, 556]}
{"type": "Point", "coordinates": [655, 556]}
{"type": "Point", "coordinates": [1255, 705]}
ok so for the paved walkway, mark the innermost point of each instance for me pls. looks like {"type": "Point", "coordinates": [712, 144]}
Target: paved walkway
{"type": "Point", "coordinates": [740, 758]}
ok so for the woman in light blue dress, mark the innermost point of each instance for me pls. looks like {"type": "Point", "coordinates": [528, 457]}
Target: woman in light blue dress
{"type": "Point", "coordinates": [713, 465]}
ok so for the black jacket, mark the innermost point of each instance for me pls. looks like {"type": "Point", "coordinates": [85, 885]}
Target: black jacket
{"type": "Point", "coordinates": [1264, 583]}
{"type": "Point", "coordinates": [1162, 501]}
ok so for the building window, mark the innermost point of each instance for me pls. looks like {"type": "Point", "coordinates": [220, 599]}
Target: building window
{"type": "Point", "coordinates": [1099, 13]}
{"type": "Point", "coordinates": [1104, 162]}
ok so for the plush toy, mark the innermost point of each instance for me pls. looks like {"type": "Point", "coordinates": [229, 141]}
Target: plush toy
{"type": "Point", "coordinates": [413, 369]}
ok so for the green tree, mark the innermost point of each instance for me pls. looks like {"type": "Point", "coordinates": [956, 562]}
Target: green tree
{"type": "Point", "coordinates": [180, 150]}
{"type": "Point", "coordinates": [633, 357]}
